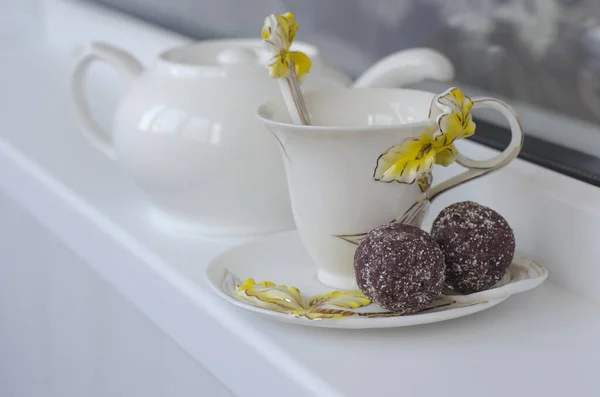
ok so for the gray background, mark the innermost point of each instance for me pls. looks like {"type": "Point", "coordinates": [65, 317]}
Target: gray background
{"type": "Point", "coordinates": [543, 52]}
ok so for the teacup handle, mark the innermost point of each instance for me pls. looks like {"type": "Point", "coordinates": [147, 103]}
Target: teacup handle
{"type": "Point", "coordinates": [477, 168]}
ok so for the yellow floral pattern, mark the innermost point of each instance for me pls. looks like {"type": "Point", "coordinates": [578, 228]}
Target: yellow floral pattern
{"type": "Point", "coordinates": [413, 159]}
{"type": "Point", "coordinates": [284, 299]}
{"type": "Point", "coordinates": [279, 32]}
{"type": "Point", "coordinates": [425, 182]}
{"type": "Point", "coordinates": [452, 111]}
{"type": "Point", "coordinates": [407, 161]}
{"type": "Point", "coordinates": [333, 305]}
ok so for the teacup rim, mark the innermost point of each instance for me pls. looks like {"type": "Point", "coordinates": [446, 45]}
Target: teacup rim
{"type": "Point", "coordinates": [338, 128]}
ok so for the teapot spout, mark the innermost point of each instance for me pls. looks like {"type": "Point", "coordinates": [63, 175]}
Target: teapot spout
{"type": "Point", "coordinates": [407, 67]}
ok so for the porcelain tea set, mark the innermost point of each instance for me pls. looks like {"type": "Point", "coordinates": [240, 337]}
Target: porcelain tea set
{"type": "Point", "coordinates": [187, 134]}
{"type": "Point", "coordinates": [256, 137]}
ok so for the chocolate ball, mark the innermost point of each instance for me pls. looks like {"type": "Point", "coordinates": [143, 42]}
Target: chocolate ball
{"type": "Point", "coordinates": [478, 246]}
{"type": "Point", "coordinates": [400, 268]}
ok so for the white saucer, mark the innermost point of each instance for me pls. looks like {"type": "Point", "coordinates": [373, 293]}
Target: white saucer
{"type": "Point", "coordinates": [282, 259]}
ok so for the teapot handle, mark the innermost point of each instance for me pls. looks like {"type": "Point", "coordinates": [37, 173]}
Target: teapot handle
{"type": "Point", "coordinates": [127, 66]}
{"type": "Point", "coordinates": [478, 168]}
{"type": "Point", "coordinates": [407, 67]}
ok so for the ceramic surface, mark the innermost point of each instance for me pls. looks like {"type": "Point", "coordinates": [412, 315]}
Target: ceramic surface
{"type": "Point", "coordinates": [186, 131]}
{"type": "Point", "coordinates": [294, 295]}
{"type": "Point", "coordinates": [367, 160]}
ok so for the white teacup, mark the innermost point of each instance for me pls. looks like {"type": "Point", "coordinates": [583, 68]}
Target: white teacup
{"type": "Point", "coordinates": [336, 167]}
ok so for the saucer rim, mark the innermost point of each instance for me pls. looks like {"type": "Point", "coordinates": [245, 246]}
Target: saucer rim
{"type": "Point", "coordinates": [360, 322]}
{"type": "Point", "coordinates": [346, 323]}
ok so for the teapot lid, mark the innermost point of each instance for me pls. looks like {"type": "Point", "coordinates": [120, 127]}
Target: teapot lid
{"type": "Point", "coordinates": [227, 53]}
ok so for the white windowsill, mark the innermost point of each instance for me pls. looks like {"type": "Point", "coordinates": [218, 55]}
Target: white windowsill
{"type": "Point", "coordinates": [539, 343]}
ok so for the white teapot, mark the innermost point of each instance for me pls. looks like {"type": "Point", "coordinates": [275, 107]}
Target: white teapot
{"type": "Point", "coordinates": [187, 134]}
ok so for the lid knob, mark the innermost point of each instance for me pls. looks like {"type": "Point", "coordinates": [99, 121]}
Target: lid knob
{"type": "Point", "coordinates": [237, 56]}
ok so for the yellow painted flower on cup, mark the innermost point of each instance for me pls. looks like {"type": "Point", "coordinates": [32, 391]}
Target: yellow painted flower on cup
{"type": "Point", "coordinates": [452, 111]}
{"type": "Point", "coordinates": [279, 32]}
{"type": "Point", "coordinates": [414, 158]}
